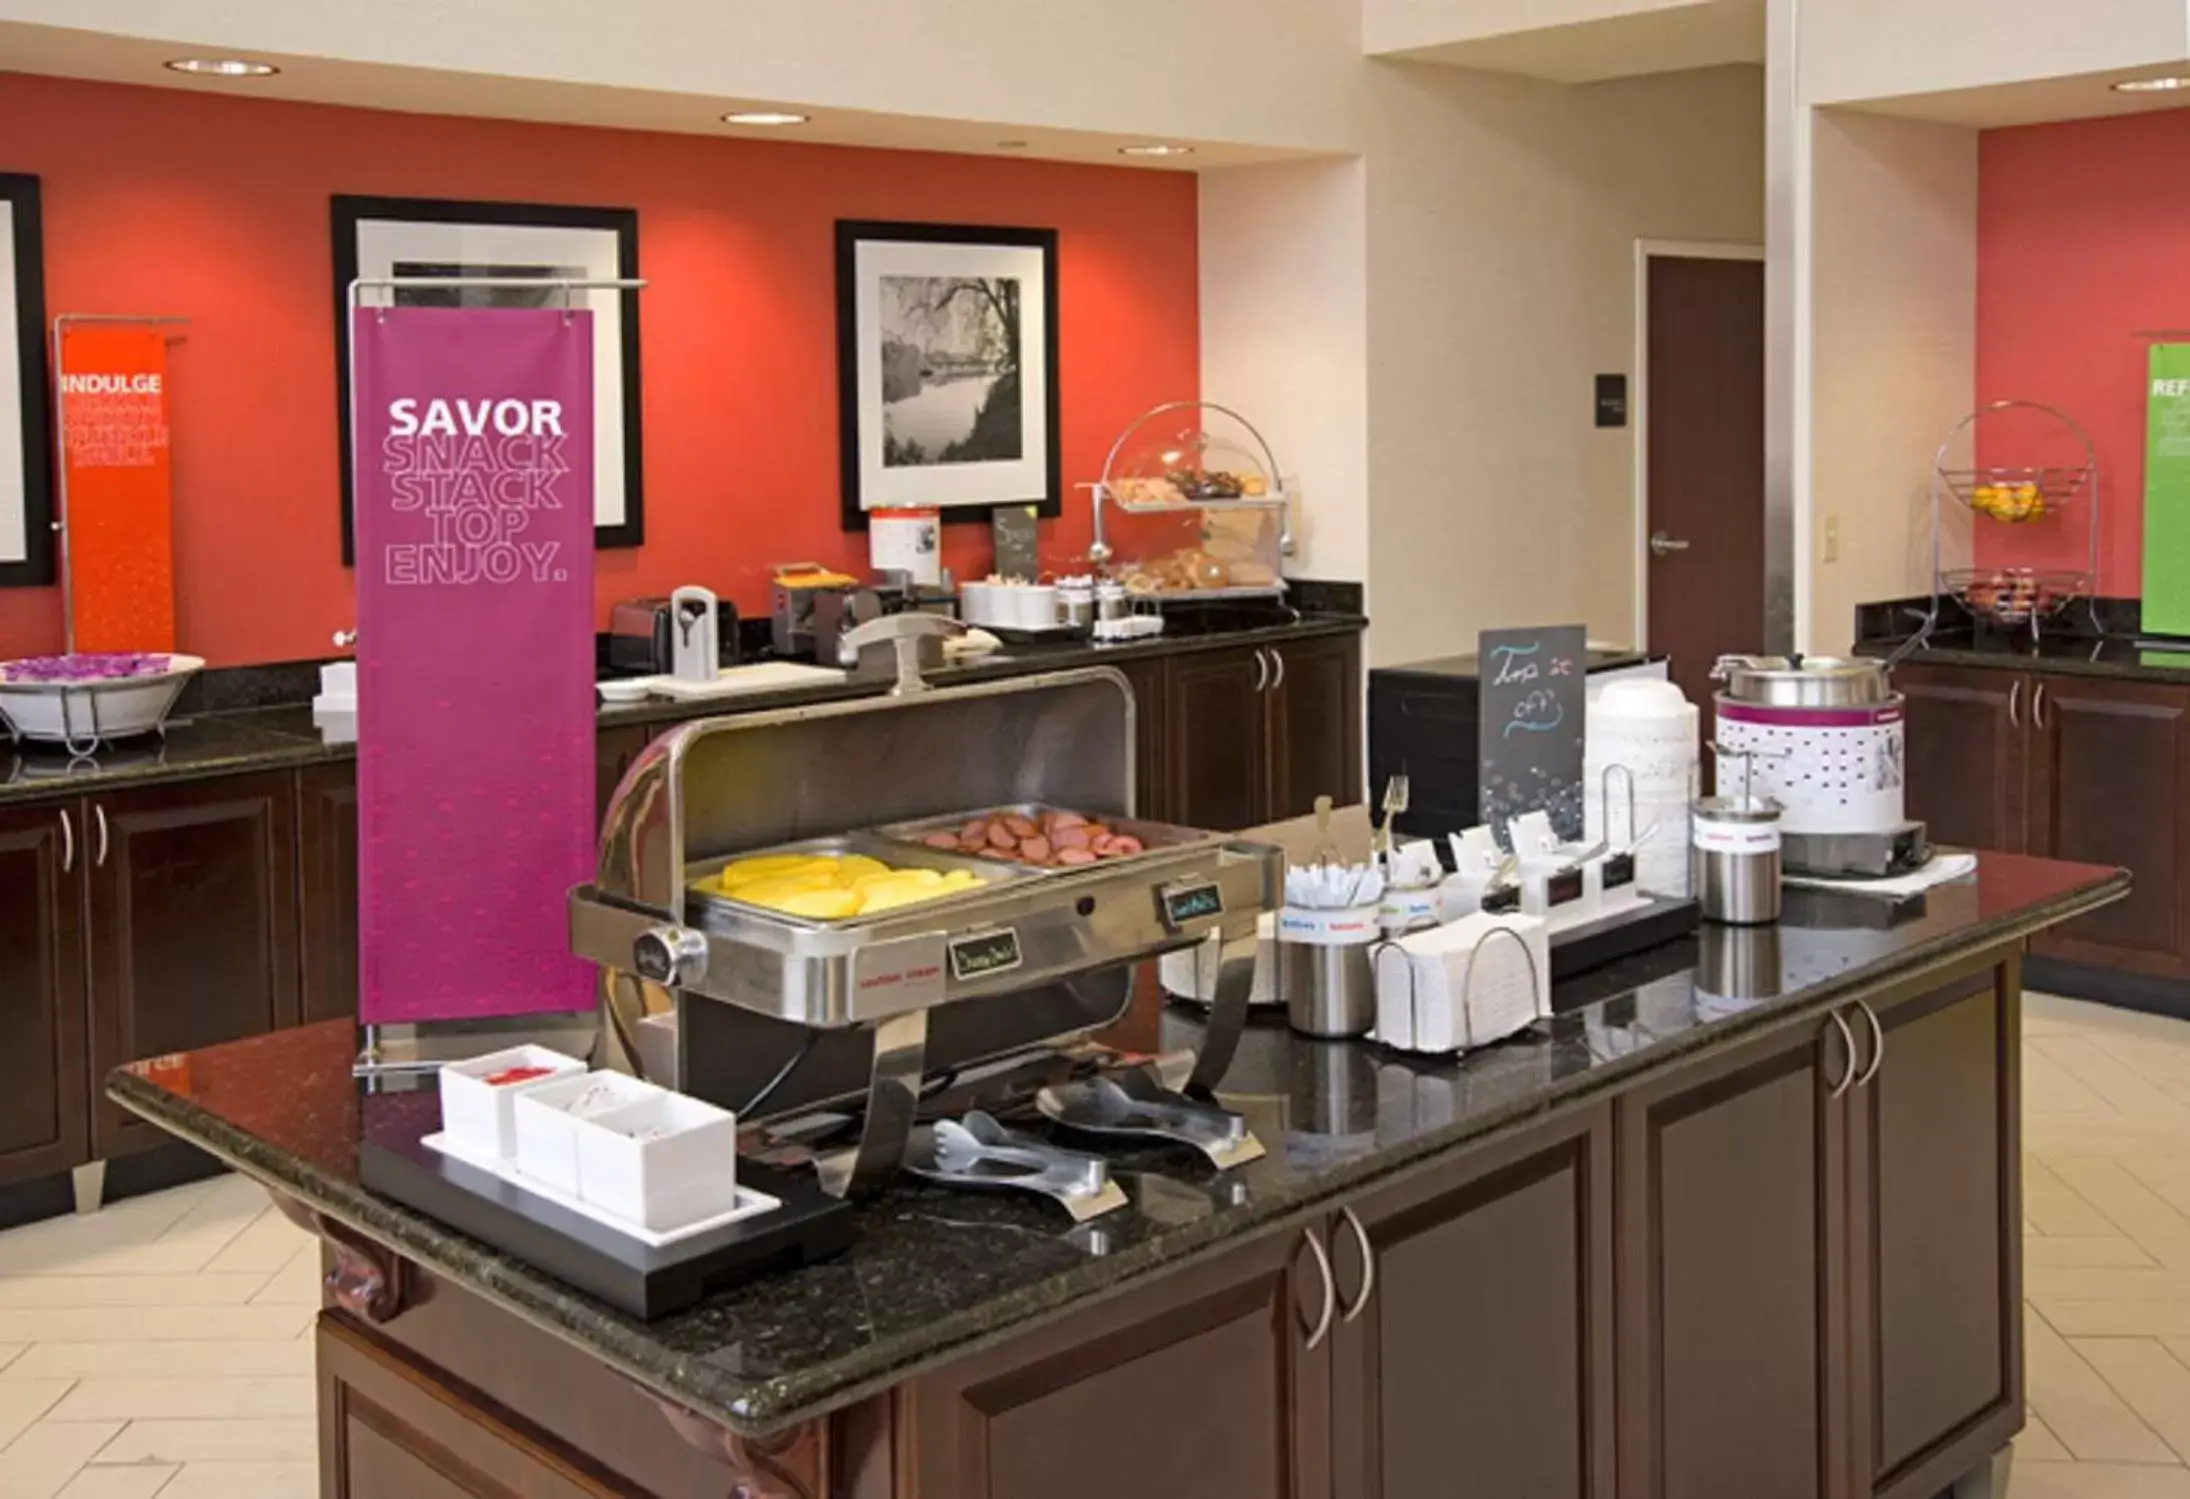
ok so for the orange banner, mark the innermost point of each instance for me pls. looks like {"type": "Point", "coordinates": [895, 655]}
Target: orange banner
{"type": "Point", "coordinates": [121, 507]}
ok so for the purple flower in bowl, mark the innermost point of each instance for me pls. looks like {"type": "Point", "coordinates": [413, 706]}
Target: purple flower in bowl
{"type": "Point", "coordinates": [102, 666]}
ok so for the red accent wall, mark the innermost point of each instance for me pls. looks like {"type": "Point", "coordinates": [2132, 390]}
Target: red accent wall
{"type": "Point", "coordinates": [162, 201]}
{"type": "Point", "coordinates": [2083, 240]}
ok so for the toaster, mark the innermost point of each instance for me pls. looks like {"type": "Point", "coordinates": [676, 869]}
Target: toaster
{"type": "Point", "coordinates": [641, 632]}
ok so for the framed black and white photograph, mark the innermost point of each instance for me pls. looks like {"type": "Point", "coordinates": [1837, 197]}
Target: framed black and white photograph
{"type": "Point", "coordinates": [26, 424]}
{"type": "Point", "coordinates": [947, 368]}
{"type": "Point", "coordinates": [377, 238]}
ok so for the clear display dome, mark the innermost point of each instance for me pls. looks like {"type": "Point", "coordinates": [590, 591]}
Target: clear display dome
{"type": "Point", "coordinates": [1199, 506]}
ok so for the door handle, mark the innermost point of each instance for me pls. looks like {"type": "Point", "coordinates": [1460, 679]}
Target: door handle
{"type": "Point", "coordinates": [1878, 1045]}
{"type": "Point", "coordinates": [1847, 1041]}
{"type": "Point", "coordinates": [1322, 1329]}
{"type": "Point", "coordinates": [2038, 707]}
{"type": "Point", "coordinates": [1262, 669]}
{"type": "Point", "coordinates": [1662, 545]}
{"type": "Point", "coordinates": [1277, 659]}
{"type": "Point", "coordinates": [98, 814]}
{"type": "Point", "coordinates": [68, 842]}
{"type": "Point", "coordinates": [2015, 704]}
{"type": "Point", "coordinates": [1368, 1266]}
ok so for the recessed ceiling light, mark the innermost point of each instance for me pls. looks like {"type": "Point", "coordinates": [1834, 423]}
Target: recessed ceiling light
{"type": "Point", "coordinates": [1158, 150]}
{"type": "Point", "coordinates": [222, 67]}
{"type": "Point", "coordinates": [763, 117]}
{"type": "Point", "coordinates": [2150, 85]}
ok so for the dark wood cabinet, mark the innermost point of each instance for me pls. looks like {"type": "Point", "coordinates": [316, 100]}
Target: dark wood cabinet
{"type": "Point", "coordinates": [1217, 738]}
{"type": "Point", "coordinates": [2110, 784]}
{"type": "Point", "coordinates": [617, 748]}
{"type": "Point", "coordinates": [327, 889]}
{"type": "Point", "coordinates": [1731, 1280]}
{"type": "Point", "coordinates": [1935, 1220]}
{"type": "Point", "coordinates": [1151, 738]}
{"type": "Point", "coordinates": [44, 1127]}
{"type": "Point", "coordinates": [1207, 1375]}
{"type": "Point", "coordinates": [1967, 753]}
{"type": "Point", "coordinates": [193, 925]}
{"type": "Point", "coordinates": [1482, 1343]}
{"type": "Point", "coordinates": [1254, 735]}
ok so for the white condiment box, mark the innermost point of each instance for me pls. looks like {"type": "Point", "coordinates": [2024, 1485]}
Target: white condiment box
{"type": "Point", "coordinates": [549, 1116]}
{"type": "Point", "coordinates": [478, 1118]}
{"type": "Point", "coordinates": [661, 1162]}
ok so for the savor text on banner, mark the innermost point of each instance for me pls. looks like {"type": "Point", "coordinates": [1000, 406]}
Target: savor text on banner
{"type": "Point", "coordinates": [474, 483]}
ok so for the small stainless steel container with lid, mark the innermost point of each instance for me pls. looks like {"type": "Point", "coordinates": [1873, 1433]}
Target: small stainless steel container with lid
{"type": "Point", "coordinates": [1734, 858]}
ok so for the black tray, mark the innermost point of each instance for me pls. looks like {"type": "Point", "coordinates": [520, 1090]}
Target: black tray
{"type": "Point", "coordinates": [1659, 919]}
{"type": "Point", "coordinates": [622, 1271]}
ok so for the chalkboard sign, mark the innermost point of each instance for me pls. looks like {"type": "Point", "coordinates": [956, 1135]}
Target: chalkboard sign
{"type": "Point", "coordinates": [1534, 699]}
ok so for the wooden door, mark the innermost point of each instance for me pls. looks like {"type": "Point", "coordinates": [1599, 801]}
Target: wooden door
{"type": "Point", "coordinates": [2109, 763]}
{"type": "Point", "coordinates": [1731, 1281]}
{"type": "Point", "coordinates": [1935, 1220]}
{"type": "Point", "coordinates": [1704, 460]}
{"type": "Point", "coordinates": [327, 889]}
{"type": "Point", "coordinates": [1968, 753]}
{"type": "Point", "coordinates": [1315, 725]}
{"type": "Point", "coordinates": [1201, 1385]}
{"type": "Point", "coordinates": [1151, 732]}
{"type": "Point", "coordinates": [1216, 715]}
{"type": "Point", "coordinates": [390, 1430]}
{"type": "Point", "coordinates": [193, 923]}
{"type": "Point", "coordinates": [44, 1123]}
{"type": "Point", "coordinates": [1477, 1363]}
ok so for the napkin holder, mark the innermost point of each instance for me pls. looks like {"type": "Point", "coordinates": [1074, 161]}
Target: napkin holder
{"type": "Point", "coordinates": [1455, 987]}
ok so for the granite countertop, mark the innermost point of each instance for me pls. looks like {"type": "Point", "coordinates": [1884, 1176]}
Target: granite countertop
{"type": "Point", "coordinates": [935, 1274]}
{"type": "Point", "coordinates": [2065, 654]}
{"type": "Point", "coordinates": [278, 737]}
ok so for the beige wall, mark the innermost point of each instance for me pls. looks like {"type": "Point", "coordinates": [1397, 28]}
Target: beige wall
{"type": "Point", "coordinates": [1503, 218]}
{"type": "Point", "coordinates": [1274, 72]}
{"type": "Point", "coordinates": [1893, 350]}
{"type": "Point", "coordinates": [1284, 316]}
{"type": "Point", "coordinates": [1876, 49]}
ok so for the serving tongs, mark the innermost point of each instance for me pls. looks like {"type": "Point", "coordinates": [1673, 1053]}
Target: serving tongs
{"type": "Point", "coordinates": [1133, 1103]}
{"type": "Point", "coordinates": [979, 1152]}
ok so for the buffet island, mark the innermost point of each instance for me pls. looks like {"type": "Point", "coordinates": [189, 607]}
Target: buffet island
{"type": "Point", "coordinates": [1736, 1213]}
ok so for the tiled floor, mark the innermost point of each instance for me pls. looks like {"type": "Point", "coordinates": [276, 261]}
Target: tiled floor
{"type": "Point", "coordinates": [161, 1347]}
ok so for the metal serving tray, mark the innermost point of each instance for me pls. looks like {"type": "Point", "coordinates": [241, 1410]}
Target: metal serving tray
{"type": "Point", "coordinates": [1155, 837]}
{"type": "Point", "coordinates": [712, 908]}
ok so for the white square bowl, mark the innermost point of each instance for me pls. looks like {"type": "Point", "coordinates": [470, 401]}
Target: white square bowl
{"type": "Point", "coordinates": [661, 1163]}
{"type": "Point", "coordinates": [478, 1119]}
{"type": "Point", "coordinates": [547, 1121]}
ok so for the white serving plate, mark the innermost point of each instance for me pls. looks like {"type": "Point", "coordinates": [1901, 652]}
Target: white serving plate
{"type": "Point", "coordinates": [750, 1204]}
{"type": "Point", "coordinates": [481, 1119]}
{"type": "Point", "coordinates": [761, 676]}
{"type": "Point", "coordinates": [80, 713]}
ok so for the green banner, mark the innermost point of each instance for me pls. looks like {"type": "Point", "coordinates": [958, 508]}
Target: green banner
{"type": "Point", "coordinates": [2167, 491]}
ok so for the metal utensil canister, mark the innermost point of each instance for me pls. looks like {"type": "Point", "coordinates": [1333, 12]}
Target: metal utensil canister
{"type": "Point", "coordinates": [1324, 971]}
{"type": "Point", "coordinates": [1734, 858]}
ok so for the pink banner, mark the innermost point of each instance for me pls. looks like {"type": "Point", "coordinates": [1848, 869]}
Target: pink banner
{"type": "Point", "coordinates": [474, 469]}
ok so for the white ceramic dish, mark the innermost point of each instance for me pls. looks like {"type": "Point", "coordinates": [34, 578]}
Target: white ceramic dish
{"type": "Point", "coordinates": [661, 1162]}
{"type": "Point", "coordinates": [84, 714]}
{"type": "Point", "coordinates": [481, 1117]}
{"type": "Point", "coordinates": [749, 1203]}
{"type": "Point", "coordinates": [624, 689]}
{"type": "Point", "coordinates": [547, 1121]}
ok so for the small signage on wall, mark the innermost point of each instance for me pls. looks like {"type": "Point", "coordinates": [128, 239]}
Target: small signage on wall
{"type": "Point", "coordinates": [1612, 400]}
{"type": "Point", "coordinates": [1534, 697]}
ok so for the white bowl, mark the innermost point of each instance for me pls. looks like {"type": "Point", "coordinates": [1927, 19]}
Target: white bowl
{"type": "Point", "coordinates": [479, 1118]}
{"type": "Point", "coordinates": [548, 1116]}
{"type": "Point", "coordinates": [87, 713]}
{"type": "Point", "coordinates": [660, 1163]}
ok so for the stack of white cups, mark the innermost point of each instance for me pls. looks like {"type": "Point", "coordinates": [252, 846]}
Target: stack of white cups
{"type": "Point", "coordinates": [1649, 729]}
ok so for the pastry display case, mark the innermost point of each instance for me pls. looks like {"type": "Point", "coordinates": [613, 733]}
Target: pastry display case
{"type": "Point", "coordinates": [1192, 505]}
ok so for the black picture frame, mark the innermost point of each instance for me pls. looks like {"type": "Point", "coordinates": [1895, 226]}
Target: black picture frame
{"type": "Point", "coordinates": [850, 234]}
{"type": "Point", "coordinates": [349, 210]}
{"type": "Point", "coordinates": [19, 190]}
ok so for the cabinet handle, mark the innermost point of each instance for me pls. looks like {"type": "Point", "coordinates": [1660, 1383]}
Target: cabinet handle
{"type": "Point", "coordinates": [98, 814]}
{"type": "Point", "coordinates": [2038, 707]}
{"type": "Point", "coordinates": [2015, 704]}
{"type": "Point", "coordinates": [1847, 1041]}
{"type": "Point", "coordinates": [1262, 669]}
{"type": "Point", "coordinates": [1277, 657]}
{"type": "Point", "coordinates": [1368, 1266]}
{"type": "Point", "coordinates": [1878, 1045]}
{"type": "Point", "coordinates": [1322, 1329]}
{"type": "Point", "coordinates": [68, 842]}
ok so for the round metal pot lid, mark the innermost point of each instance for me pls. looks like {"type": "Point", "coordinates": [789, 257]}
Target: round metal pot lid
{"type": "Point", "coordinates": [1736, 809]}
{"type": "Point", "coordinates": [1811, 681]}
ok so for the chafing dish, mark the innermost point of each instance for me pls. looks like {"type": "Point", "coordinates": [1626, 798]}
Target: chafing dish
{"type": "Point", "coordinates": [865, 1009]}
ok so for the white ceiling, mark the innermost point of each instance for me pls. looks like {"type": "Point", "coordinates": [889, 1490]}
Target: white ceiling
{"type": "Point", "coordinates": [2040, 101]}
{"type": "Point", "coordinates": [70, 53]}
{"type": "Point", "coordinates": [1665, 38]}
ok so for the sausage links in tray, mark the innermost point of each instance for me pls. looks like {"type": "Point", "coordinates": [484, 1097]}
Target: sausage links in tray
{"type": "Point", "coordinates": [1041, 836]}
